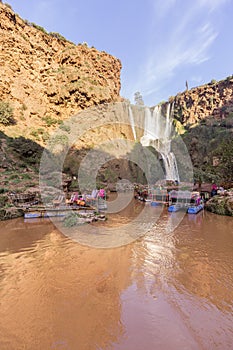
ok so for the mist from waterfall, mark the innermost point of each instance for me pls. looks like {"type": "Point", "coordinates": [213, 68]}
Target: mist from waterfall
{"type": "Point", "coordinates": [158, 134]}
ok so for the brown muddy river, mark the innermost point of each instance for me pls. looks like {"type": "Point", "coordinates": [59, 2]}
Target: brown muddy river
{"type": "Point", "coordinates": [168, 290]}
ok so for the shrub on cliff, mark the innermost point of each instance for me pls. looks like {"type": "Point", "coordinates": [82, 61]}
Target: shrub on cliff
{"type": "Point", "coordinates": [57, 36]}
{"type": "Point", "coordinates": [6, 113]}
{"type": "Point", "coordinates": [39, 27]}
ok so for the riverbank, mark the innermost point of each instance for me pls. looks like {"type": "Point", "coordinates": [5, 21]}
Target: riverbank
{"type": "Point", "coordinates": [11, 207]}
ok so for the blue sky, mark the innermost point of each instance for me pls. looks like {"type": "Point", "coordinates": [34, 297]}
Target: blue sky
{"type": "Point", "coordinates": [161, 43]}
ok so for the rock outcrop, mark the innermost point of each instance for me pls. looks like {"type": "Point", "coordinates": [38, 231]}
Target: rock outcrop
{"type": "Point", "coordinates": [210, 100]}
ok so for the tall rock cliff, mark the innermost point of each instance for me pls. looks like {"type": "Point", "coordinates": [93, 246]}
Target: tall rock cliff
{"type": "Point", "coordinates": [46, 78]}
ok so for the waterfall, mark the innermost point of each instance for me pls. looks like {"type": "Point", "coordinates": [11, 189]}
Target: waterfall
{"type": "Point", "coordinates": [170, 165]}
{"type": "Point", "coordinates": [156, 117]}
{"type": "Point", "coordinates": [167, 131]}
{"type": "Point", "coordinates": [131, 119]}
{"type": "Point", "coordinates": [157, 133]}
{"type": "Point", "coordinates": [151, 127]}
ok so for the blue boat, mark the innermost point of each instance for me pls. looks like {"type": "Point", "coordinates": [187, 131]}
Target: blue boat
{"type": "Point", "coordinates": [174, 207]}
{"type": "Point", "coordinates": [195, 209]}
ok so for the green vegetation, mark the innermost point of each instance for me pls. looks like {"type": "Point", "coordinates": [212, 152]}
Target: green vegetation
{"type": "Point", "coordinates": [65, 128]}
{"type": "Point", "coordinates": [179, 127]}
{"type": "Point", "coordinates": [39, 28]}
{"type": "Point", "coordinates": [71, 219]}
{"type": "Point", "coordinates": [224, 152]}
{"type": "Point", "coordinates": [49, 121]}
{"type": "Point", "coordinates": [45, 136]}
{"type": "Point", "coordinates": [35, 134]}
{"type": "Point", "coordinates": [14, 176]}
{"type": "Point", "coordinates": [209, 141]}
{"type": "Point", "coordinates": [213, 81]}
{"type": "Point", "coordinates": [40, 134]}
{"type": "Point", "coordinates": [6, 113]}
{"type": "Point", "coordinates": [57, 36]}
{"type": "Point", "coordinates": [59, 139]}
{"type": "Point", "coordinates": [26, 176]}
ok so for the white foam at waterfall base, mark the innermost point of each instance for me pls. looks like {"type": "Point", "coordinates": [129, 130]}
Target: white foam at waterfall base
{"type": "Point", "coordinates": [157, 133]}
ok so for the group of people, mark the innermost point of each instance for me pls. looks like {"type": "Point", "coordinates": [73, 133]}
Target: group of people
{"type": "Point", "coordinates": [216, 190]}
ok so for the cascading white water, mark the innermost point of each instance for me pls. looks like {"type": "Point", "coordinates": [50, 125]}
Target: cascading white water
{"type": "Point", "coordinates": [157, 133]}
{"type": "Point", "coordinates": [151, 127]}
{"type": "Point", "coordinates": [131, 119]}
{"type": "Point", "coordinates": [167, 130]}
{"type": "Point", "coordinates": [170, 165]}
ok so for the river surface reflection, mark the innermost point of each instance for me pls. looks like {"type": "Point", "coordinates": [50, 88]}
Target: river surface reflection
{"type": "Point", "coordinates": [168, 290]}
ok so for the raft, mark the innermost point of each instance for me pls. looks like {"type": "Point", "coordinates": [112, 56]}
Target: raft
{"type": "Point", "coordinates": [195, 209]}
{"type": "Point", "coordinates": [174, 207]}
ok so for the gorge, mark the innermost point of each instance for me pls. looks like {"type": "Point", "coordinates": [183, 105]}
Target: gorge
{"type": "Point", "coordinates": [105, 265]}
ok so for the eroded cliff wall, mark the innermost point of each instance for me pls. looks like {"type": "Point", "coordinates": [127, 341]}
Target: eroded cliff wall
{"type": "Point", "coordinates": [46, 78]}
